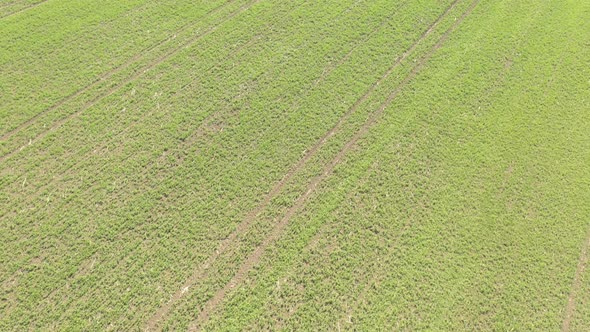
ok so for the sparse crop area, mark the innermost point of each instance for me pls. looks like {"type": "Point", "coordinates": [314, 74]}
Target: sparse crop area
{"type": "Point", "coordinates": [337, 165]}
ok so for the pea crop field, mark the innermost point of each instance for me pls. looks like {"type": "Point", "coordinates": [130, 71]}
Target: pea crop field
{"type": "Point", "coordinates": [335, 165]}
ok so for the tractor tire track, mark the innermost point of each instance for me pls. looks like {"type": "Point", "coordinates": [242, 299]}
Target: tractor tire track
{"type": "Point", "coordinates": [78, 38]}
{"type": "Point", "coordinates": [130, 127]}
{"type": "Point", "coordinates": [23, 9]}
{"type": "Point", "coordinates": [104, 77]}
{"type": "Point", "coordinates": [256, 37]}
{"type": "Point", "coordinates": [200, 131]}
{"type": "Point", "coordinates": [193, 136]}
{"type": "Point", "coordinates": [256, 256]}
{"type": "Point", "coordinates": [378, 269]}
{"type": "Point", "coordinates": [242, 227]}
{"type": "Point", "coordinates": [188, 142]}
{"type": "Point", "coordinates": [163, 311]}
{"type": "Point", "coordinates": [196, 133]}
{"type": "Point", "coordinates": [60, 175]}
{"type": "Point", "coordinates": [570, 308]}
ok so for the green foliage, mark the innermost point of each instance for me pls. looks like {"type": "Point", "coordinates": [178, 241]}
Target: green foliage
{"type": "Point", "coordinates": [146, 143]}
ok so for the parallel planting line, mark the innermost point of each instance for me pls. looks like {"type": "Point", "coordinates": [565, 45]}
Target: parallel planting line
{"type": "Point", "coordinates": [105, 76]}
{"type": "Point", "coordinates": [195, 134]}
{"type": "Point", "coordinates": [570, 308]}
{"type": "Point", "coordinates": [24, 9]}
{"type": "Point", "coordinates": [327, 72]}
{"type": "Point", "coordinates": [242, 227]}
{"type": "Point", "coordinates": [161, 59]}
{"type": "Point", "coordinates": [199, 131]}
{"type": "Point", "coordinates": [86, 297]}
{"type": "Point", "coordinates": [255, 257]}
{"type": "Point", "coordinates": [341, 61]}
{"type": "Point", "coordinates": [376, 274]}
{"type": "Point", "coordinates": [45, 302]}
{"type": "Point", "coordinates": [151, 65]}
{"type": "Point", "coordinates": [256, 37]}
{"type": "Point", "coordinates": [132, 125]}
{"type": "Point", "coordinates": [8, 134]}
{"type": "Point", "coordinates": [278, 187]}
{"type": "Point", "coordinates": [187, 142]}
{"type": "Point", "coordinates": [182, 88]}
{"type": "Point", "coordinates": [163, 311]}
{"type": "Point", "coordinates": [76, 39]}
{"type": "Point", "coordinates": [313, 243]}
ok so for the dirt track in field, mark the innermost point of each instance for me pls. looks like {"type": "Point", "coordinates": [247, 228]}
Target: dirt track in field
{"type": "Point", "coordinates": [24, 9]}
{"type": "Point", "coordinates": [570, 308]}
{"type": "Point", "coordinates": [118, 86]}
{"type": "Point", "coordinates": [255, 257]}
{"type": "Point", "coordinates": [242, 227]}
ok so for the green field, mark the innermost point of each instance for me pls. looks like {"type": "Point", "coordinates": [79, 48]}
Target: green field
{"type": "Point", "coordinates": [366, 165]}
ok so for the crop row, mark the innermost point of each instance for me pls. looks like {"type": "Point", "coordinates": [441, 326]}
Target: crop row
{"type": "Point", "coordinates": [64, 66]}
{"type": "Point", "coordinates": [78, 203]}
{"type": "Point", "coordinates": [417, 225]}
{"type": "Point", "coordinates": [74, 235]}
{"type": "Point", "coordinates": [113, 211]}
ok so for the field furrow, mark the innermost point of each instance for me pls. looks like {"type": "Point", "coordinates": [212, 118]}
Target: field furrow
{"type": "Point", "coordinates": [16, 7]}
{"type": "Point", "coordinates": [294, 165]}
{"type": "Point", "coordinates": [103, 77]}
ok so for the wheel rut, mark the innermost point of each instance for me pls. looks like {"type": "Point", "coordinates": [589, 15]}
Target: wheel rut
{"type": "Point", "coordinates": [255, 257]}
{"type": "Point", "coordinates": [243, 226]}
{"type": "Point", "coordinates": [570, 307]}
{"type": "Point", "coordinates": [22, 10]}
{"type": "Point", "coordinates": [126, 81]}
